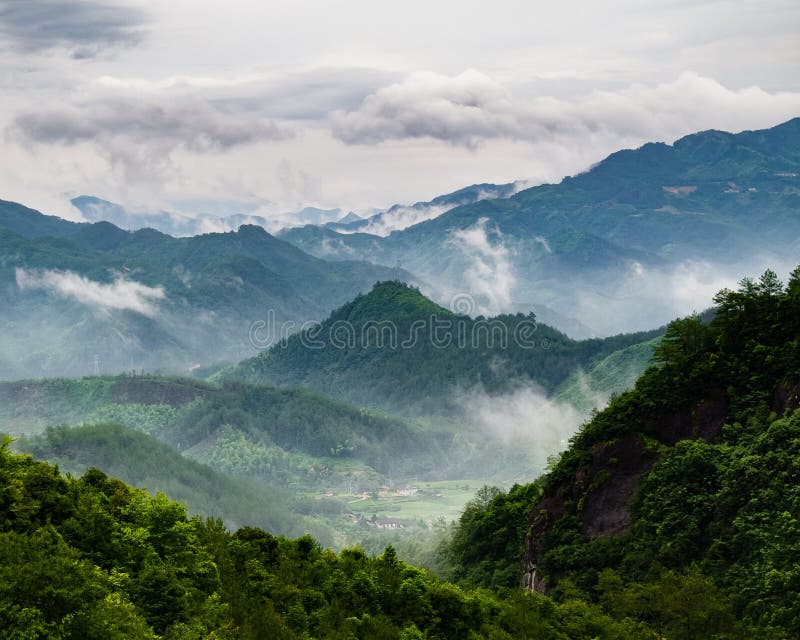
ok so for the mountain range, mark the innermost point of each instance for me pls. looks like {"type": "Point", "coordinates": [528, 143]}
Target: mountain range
{"type": "Point", "coordinates": [622, 246]}
{"type": "Point", "coordinates": [640, 238]}
{"type": "Point", "coordinates": [94, 209]}
{"type": "Point", "coordinates": [399, 216]}
{"type": "Point", "coordinates": [83, 298]}
{"type": "Point", "coordinates": [375, 221]}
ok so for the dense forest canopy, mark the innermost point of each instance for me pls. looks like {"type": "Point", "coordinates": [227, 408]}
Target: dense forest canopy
{"type": "Point", "coordinates": [363, 353]}
{"type": "Point", "coordinates": [685, 489]}
{"type": "Point", "coordinates": [697, 467]}
{"type": "Point", "coordinates": [91, 558]}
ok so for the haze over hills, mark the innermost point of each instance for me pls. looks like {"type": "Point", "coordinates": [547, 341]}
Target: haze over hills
{"type": "Point", "coordinates": [671, 510]}
{"type": "Point", "coordinates": [628, 244]}
{"type": "Point", "coordinates": [95, 209]}
{"type": "Point", "coordinates": [466, 413]}
{"type": "Point", "coordinates": [78, 298]}
{"type": "Point", "coordinates": [280, 437]}
{"type": "Point", "coordinates": [400, 216]}
{"type": "Point", "coordinates": [417, 321]}
{"type": "Point", "coordinates": [376, 221]}
{"type": "Point", "coordinates": [363, 351]}
{"type": "Point", "coordinates": [643, 236]}
{"type": "Point", "coordinates": [689, 482]}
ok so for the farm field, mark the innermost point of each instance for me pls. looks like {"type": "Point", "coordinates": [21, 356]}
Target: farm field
{"type": "Point", "coordinates": [430, 502]}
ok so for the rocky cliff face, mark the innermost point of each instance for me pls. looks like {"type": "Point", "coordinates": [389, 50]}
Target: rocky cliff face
{"type": "Point", "coordinates": [602, 491]}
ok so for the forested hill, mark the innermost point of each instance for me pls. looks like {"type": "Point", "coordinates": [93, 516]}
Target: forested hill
{"type": "Point", "coordinates": [78, 298]}
{"type": "Point", "coordinates": [259, 432]}
{"type": "Point", "coordinates": [627, 223]}
{"type": "Point", "coordinates": [91, 558]}
{"type": "Point", "coordinates": [691, 479]}
{"type": "Point", "coordinates": [142, 461]}
{"type": "Point", "coordinates": [395, 349]}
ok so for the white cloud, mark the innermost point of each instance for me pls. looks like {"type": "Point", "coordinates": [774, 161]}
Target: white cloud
{"type": "Point", "coordinates": [490, 274]}
{"type": "Point", "coordinates": [120, 294]}
{"type": "Point", "coordinates": [643, 298]}
{"type": "Point", "coordinates": [138, 133]}
{"type": "Point", "coordinates": [470, 108]}
{"type": "Point", "coordinates": [524, 418]}
{"type": "Point", "coordinates": [336, 248]}
{"type": "Point", "coordinates": [461, 109]}
{"type": "Point", "coordinates": [400, 217]}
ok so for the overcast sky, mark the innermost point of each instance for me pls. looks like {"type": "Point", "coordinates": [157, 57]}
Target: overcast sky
{"type": "Point", "coordinates": [229, 106]}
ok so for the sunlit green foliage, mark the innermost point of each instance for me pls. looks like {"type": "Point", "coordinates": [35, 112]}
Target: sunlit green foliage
{"type": "Point", "coordinates": [486, 545]}
{"type": "Point", "coordinates": [145, 462]}
{"type": "Point", "coordinates": [715, 520]}
{"type": "Point", "coordinates": [93, 558]}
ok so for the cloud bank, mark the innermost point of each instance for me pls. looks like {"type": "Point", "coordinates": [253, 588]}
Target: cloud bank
{"type": "Point", "coordinates": [121, 294]}
{"type": "Point", "coordinates": [524, 419]}
{"type": "Point", "coordinates": [386, 110]}
{"type": "Point", "coordinates": [643, 298]}
{"type": "Point", "coordinates": [191, 123]}
{"type": "Point", "coordinates": [84, 27]}
{"type": "Point", "coordinates": [470, 108]}
{"type": "Point", "coordinates": [139, 134]}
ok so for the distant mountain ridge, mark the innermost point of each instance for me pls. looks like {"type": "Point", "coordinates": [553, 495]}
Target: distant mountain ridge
{"type": "Point", "coordinates": [96, 209]}
{"type": "Point", "coordinates": [399, 216]}
{"type": "Point", "coordinates": [83, 298]}
{"type": "Point", "coordinates": [629, 225]}
{"type": "Point", "coordinates": [382, 222]}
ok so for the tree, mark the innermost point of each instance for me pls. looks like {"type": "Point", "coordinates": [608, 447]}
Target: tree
{"type": "Point", "coordinates": [684, 339]}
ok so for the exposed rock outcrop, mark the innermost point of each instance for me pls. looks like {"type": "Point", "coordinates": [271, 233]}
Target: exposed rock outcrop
{"type": "Point", "coordinates": [602, 492]}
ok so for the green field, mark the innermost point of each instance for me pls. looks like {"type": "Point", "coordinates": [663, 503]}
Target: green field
{"type": "Point", "coordinates": [432, 501]}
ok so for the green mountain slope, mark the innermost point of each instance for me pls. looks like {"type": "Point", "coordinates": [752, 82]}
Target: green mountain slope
{"type": "Point", "coordinates": [77, 298]}
{"type": "Point", "coordinates": [29, 223]}
{"type": "Point", "coordinates": [143, 461]}
{"type": "Point", "coordinates": [278, 436]}
{"type": "Point", "coordinates": [91, 558]}
{"type": "Point", "coordinates": [583, 245]}
{"type": "Point", "coordinates": [591, 388]}
{"type": "Point", "coordinates": [393, 348]}
{"type": "Point", "coordinates": [690, 478]}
